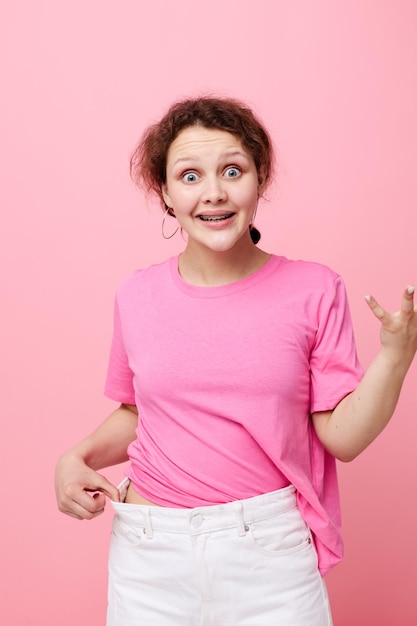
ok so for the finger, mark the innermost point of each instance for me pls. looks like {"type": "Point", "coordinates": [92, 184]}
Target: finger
{"type": "Point", "coordinates": [407, 305]}
{"type": "Point", "coordinates": [80, 513]}
{"type": "Point", "coordinates": [81, 504]}
{"type": "Point", "coordinates": [91, 502]}
{"type": "Point", "coordinates": [88, 500]}
{"type": "Point", "coordinates": [375, 307]}
{"type": "Point", "coordinates": [103, 485]}
{"type": "Point", "coordinates": [98, 483]}
{"type": "Point", "coordinates": [94, 501]}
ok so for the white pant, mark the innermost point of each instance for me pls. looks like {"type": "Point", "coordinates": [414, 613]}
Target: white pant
{"type": "Point", "coordinates": [245, 563]}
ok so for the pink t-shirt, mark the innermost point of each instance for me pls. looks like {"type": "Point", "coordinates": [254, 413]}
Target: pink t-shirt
{"type": "Point", "coordinates": [225, 380]}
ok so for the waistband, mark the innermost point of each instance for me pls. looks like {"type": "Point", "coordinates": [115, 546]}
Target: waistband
{"type": "Point", "coordinates": [208, 518]}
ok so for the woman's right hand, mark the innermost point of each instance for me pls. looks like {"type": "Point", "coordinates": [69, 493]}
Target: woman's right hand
{"type": "Point", "coordinates": [80, 491]}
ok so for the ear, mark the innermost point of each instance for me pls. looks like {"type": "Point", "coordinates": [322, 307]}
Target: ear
{"type": "Point", "coordinates": [166, 196]}
{"type": "Point", "coordinates": [261, 186]}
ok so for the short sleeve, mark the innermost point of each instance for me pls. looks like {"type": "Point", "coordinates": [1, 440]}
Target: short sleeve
{"type": "Point", "coordinates": [119, 380]}
{"type": "Point", "coordinates": [334, 367]}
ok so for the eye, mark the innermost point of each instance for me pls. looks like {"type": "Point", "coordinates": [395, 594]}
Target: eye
{"type": "Point", "coordinates": [189, 177]}
{"type": "Point", "coordinates": [232, 172]}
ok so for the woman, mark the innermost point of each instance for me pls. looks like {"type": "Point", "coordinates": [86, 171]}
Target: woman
{"type": "Point", "coordinates": [243, 370]}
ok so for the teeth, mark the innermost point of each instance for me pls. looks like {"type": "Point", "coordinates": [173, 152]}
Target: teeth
{"type": "Point", "coordinates": [214, 218]}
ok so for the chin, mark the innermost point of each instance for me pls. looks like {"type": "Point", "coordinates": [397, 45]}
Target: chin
{"type": "Point", "coordinates": [221, 246]}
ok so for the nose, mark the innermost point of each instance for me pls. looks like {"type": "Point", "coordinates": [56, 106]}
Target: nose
{"type": "Point", "coordinates": [214, 192]}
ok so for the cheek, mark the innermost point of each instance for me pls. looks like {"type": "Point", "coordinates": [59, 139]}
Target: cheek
{"type": "Point", "coordinates": [248, 191]}
{"type": "Point", "coordinates": [184, 200]}
{"type": "Point", "coordinates": [247, 198]}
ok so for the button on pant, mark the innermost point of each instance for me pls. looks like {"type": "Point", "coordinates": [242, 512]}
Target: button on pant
{"type": "Point", "coordinates": [245, 563]}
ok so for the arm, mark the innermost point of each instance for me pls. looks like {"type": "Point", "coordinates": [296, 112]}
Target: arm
{"type": "Point", "coordinates": [359, 418]}
{"type": "Point", "coordinates": [76, 473]}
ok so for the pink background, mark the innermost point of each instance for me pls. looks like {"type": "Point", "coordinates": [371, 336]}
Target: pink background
{"type": "Point", "coordinates": [335, 81]}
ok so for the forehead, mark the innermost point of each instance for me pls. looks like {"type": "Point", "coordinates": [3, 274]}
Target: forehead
{"type": "Point", "coordinates": [197, 141]}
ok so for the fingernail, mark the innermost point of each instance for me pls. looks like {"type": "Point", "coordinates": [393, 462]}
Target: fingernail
{"type": "Point", "coordinates": [368, 298]}
{"type": "Point", "coordinates": [410, 289]}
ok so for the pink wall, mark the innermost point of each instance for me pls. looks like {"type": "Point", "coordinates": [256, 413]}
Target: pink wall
{"type": "Point", "coordinates": [336, 84]}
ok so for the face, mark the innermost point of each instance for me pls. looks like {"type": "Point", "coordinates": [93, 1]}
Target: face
{"type": "Point", "coordinates": [212, 187]}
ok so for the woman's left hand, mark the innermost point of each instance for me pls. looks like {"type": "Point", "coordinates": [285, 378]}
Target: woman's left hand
{"type": "Point", "coordinates": [398, 330]}
{"type": "Point", "coordinates": [363, 414]}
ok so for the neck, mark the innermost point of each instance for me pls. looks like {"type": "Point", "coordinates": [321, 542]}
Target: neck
{"type": "Point", "coordinates": [204, 267]}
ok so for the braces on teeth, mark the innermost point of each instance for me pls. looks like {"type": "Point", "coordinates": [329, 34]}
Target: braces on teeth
{"type": "Point", "coordinates": [214, 218]}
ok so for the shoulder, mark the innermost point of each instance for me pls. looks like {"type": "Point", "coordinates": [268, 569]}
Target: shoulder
{"type": "Point", "coordinates": [140, 280]}
{"type": "Point", "coordinates": [306, 274]}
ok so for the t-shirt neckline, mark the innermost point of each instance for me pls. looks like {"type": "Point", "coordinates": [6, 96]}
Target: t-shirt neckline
{"type": "Point", "coordinates": [222, 290]}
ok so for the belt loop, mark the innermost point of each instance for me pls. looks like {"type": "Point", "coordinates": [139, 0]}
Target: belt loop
{"type": "Point", "coordinates": [240, 522]}
{"type": "Point", "coordinates": [148, 530]}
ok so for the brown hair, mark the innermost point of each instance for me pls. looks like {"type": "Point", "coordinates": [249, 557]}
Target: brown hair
{"type": "Point", "coordinates": [148, 162]}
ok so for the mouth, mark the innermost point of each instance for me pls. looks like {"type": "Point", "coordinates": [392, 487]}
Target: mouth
{"type": "Point", "coordinates": [215, 218]}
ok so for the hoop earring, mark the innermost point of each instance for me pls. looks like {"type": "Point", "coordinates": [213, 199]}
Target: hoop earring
{"type": "Point", "coordinates": [163, 224]}
{"type": "Point", "coordinates": [255, 235]}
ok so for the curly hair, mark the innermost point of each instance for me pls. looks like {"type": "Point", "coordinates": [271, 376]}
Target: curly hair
{"type": "Point", "coordinates": [148, 161]}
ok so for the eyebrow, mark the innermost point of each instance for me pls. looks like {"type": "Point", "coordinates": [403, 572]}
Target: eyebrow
{"type": "Point", "coordinates": [226, 155]}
